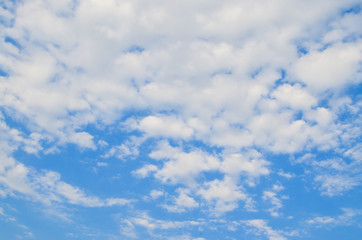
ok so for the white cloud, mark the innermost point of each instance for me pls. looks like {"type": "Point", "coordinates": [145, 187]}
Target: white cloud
{"type": "Point", "coordinates": [321, 220]}
{"type": "Point", "coordinates": [286, 175]}
{"type": "Point", "coordinates": [332, 185]}
{"type": "Point", "coordinates": [223, 195]}
{"type": "Point", "coordinates": [231, 89]}
{"type": "Point", "coordinates": [279, 133]}
{"type": "Point", "coordinates": [129, 149]}
{"type": "Point", "coordinates": [83, 139]}
{"type": "Point", "coordinates": [262, 227]}
{"type": "Point", "coordinates": [145, 170]}
{"type": "Point", "coordinates": [182, 167]}
{"type": "Point", "coordinates": [45, 187]}
{"type": "Point", "coordinates": [187, 168]}
{"type": "Point", "coordinates": [88, 74]}
{"type": "Point", "coordinates": [184, 237]}
{"type": "Point", "coordinates": [102, 164]}
{"type": "Point", "coordinates": [322, 116]}
{"type": "Point", "coordinates": [182, 202]}
{"type": "Point", "coordinates": [53, 189]}
{"type": "Point", "coordinates": [166, 126]}
{"type": "Point", "coordinates": [331, 68]}
{"type": "Point", "coordinates": [129, 226]}
{"type": "Point", "coordinates": [355, 153]}
{"type": "Point", "coordinates": [346, 218]}
{"type": "Point", "coordinates": [272, 197]}
{"type": "Point", "coordinates": [156, 194]}
{"type": "Point", "coordinates": [333, 176]}
{"type": "Point", "coordinates": [32, 144]}
{"type": "Point", "coordinates": [294, 96]}
{"type": "Point", "coordinates": [116, 201]}
{"type": "Point", "coordinates": [250, 164]}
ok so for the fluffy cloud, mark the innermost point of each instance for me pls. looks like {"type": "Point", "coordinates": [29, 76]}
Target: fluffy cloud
{"type": "Point", "coordinates": [182, 202]}
{"type": "Point", "coordinates": [187, 168]}
{"type": "Point", "coordinates": [182, 167]}
{"type": "Point", "coordinates": [331, 68]}
{"type": "Point", "coordinates": [165, 126]}
{"type": "Point", "coordinates": [232, 79]}
{"type": "Point", "coordinates": [207, 101]}
{"type": "Point", "coordinates": [223, 195]}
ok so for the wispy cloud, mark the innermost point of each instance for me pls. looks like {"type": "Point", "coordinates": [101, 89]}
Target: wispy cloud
{"type": "Point", "coordinates": [348, 217]}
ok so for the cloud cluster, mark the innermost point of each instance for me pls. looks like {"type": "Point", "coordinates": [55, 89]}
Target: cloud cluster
{"type": "Point", "coordinates": [189, 169]}
{"type": "Point", "coordinates": [45, 186]}
{"type": "Point", "coordinates": [103, 68]}
{"type": "Point", "coordinates": [206, 92]}
{"type": "Point", "coordinates": [346, 218]}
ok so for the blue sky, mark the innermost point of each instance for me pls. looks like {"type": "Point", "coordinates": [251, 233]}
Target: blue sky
{"type": "Point", "coordinates": [180, 119]}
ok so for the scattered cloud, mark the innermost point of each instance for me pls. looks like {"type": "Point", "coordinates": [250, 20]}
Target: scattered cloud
{"type": "Point", "coordinates": [207, 98]}
{"type": "Point", "coordinates": [261, 227]}
{"type": "Point", "coordinates": [348, 217]}
{"type": "Point", "coordinates": [143, 220]}
{"type": "Point", "coordinates": [272, 197]}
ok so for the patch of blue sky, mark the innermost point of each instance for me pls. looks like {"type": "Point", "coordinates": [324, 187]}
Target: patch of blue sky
{"type": "Point", "coordinates": [222, 72]}
{"type": "Point", "coordinates": [9, 5]}
{"type": "Point", "coordinates": [135, 49]}
{"type": "Point", "coordinates": [256, 72]}
{"type": "Point", "coordinates": [6, 22]}
{"type": "Point", "coordinates": [354, 91]}
{"type": "Point", "coordinates": [302, 50]}
{"type": "Point", "coordinates": [353, 10]}
{"type": "Point", "coordinates": [283, 78]}
{"type": "Point", "coordinates": [3, 73]}
{"type": "Point", "coordinates": [13, 42]}
{"type": "Point", "coordinates": [351, 38]}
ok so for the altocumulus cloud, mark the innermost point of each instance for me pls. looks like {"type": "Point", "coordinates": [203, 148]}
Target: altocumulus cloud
{"type": "Point", "coordinates": [180, 119]}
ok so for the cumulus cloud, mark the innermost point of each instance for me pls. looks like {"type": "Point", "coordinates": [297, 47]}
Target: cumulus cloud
{"type": "Point", "coordinates": [207, 102]}
{"type": "Point", "coordinates": [165, 126]}
{"type": "Point", "coordinates": [128, 149]}
{"type": "Point", "coordinates": [187, 168]}
{"type": "Point", "coordinates": [223, 62]}
{"type": "Point", "coordinates": [249, 164]}
{"type": "Point", "coordinates": [156, 194]}
{"type": "Point", "coordinates": [182, 202]}
{"type": "Point", "coordinates": [223, 195]}
{"type": "Point", "coordinates": [331, 68]}
{"type": "Point", "coordinates": [182, 167]}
